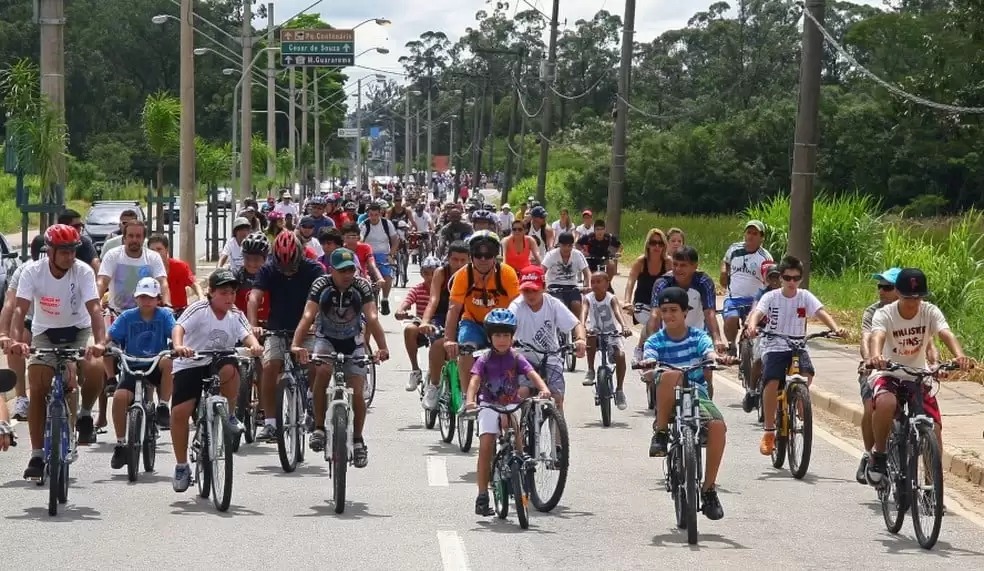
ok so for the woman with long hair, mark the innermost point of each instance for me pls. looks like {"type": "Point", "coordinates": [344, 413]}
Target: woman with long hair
{"type": "Point", "coordinates": [643, 274]}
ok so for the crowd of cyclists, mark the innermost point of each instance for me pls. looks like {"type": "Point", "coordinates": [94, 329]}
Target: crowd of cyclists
{"type": "Point", "coordinates": [491, 280]}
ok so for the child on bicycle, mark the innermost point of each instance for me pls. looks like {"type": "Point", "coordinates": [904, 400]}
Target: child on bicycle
{"type": "Point", "coordinates": [495, 380]}
{"type": "Point", "coordinates": [787, 310]}
{"type": "Point", "coordinates": [142, 331]}
{"type": "Point", "coordinates": [770, 276]}
{"type": "Point", "coordinates": [680, 345]}
{"type": "Point", "coordinates": [600, 313]}
{"type": "Point", "coordinates": [418, 298]}
{"type": "Point", "coordinates": [255, 249]}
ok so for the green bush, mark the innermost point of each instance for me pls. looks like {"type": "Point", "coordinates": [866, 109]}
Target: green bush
{"type": "Point", "coordinates": [925, 205]}
{"type": "Point", "coordinates": [558, 194]}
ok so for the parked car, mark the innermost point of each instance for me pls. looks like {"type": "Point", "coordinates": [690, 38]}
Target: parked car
{"type": "Point", "coordinates": [10, 260]}
{"type": "Point", "coordinates": [103, 219]}
{"type": "Point", "coordinates": [172, 211]}
{"type": "Point", "coordinates": [224, 197]}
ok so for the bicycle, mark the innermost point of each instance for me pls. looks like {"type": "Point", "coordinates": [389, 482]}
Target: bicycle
{"type": "Point", "coordinates": [430, 416]}
{"type": "Point", "coordinates": [402, 262]}
{"type": "Point", "coordinates": [292, 390]}
{"type": "Point", "coordinates": [511, 470]}
{"type": "Point", "coordinates": [745, 353]}
{"type": "Point", "coordinates": [247, 403]}
{"type": "Point", "coordinates": [213, 443]}
{"type": "Point", "coordinates": [142, 431]}
{"type": "Point", "coordinates": [604, 373]}
{"type": "Point", "coordinates": [338, 422]}
{"type": "Point", "coordinates": [794, 409]}
{"type": "Point", "coordinates": [684, 471]}
{"type": "Point", "coordinates": [59, 439]}
{"type": "Point", "coordinates": [449, 403]}
{"type": "Point", "coordinates": [913, 437]}
{"type": "Point", "coordinates": [547, 438]}
{"type": "Point", "coordinates": [564, 337]}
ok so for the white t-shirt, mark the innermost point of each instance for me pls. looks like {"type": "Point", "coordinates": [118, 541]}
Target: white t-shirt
{"type": "Point", "coordinates": [786, 315]}
{"type": "Point", "coordinates": [13, 283]}
{"type": "Point", "coordinates": [286, 208]}
{"type": "Point", "coordinates": [582, 230]}
{"type": "Point", "coordinates": [558, 229]}
{"type": "Point", "coordinates": [505, 220]}
{"type": "Point", "coordinates": [422, 221]}
{"type": "Point", "coordinates": [539, 328]}
{"type": "Point", "coordinates": [600, 315]}
{"type": "Point", "coordinates": [234, 250]}
{"type": "Point", "coordinates": [561, 273]}
{"type": "Point", "coordinates": [746, 269]}
{"type": "Point", "coordinates": [376, 236]}
{"type": "Point", "coordinates": [58, 302]}
{"type": "Point", "coordinates": [203, 331]}
{"type": "Point", "coordinates": [124, 272]}
{"type": "Point", "coordinates": [906, 339]}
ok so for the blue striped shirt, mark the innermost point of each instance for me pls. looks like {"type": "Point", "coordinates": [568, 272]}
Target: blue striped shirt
{"type": "Point", "coordinates": [691, 349]}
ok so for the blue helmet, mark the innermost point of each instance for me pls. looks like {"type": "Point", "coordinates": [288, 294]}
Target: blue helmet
{"type": "Point", "coordinates": [484, 215]}
{"type": "Point", "coordinates": [500, 321]}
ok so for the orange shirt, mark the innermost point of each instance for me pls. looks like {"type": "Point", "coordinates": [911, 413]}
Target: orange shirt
{"type": "Point", "coordinates": [481, 300]}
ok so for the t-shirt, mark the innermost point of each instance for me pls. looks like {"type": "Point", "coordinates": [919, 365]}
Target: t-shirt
{"type": "Point", "coordinates": [234, 250]}
{"type": "Point", "coordinates": [246, 284]}
{"type": "Point", "coordinates": [559, 229]}
{"type": "Point", "coordinates": [481, 300]}
{"type": "Point", "coordinates": [539, 328]}
{"type": "Point", "coordinates": [691, 349]}
{"type": "Point", "coordinates": [140, 337]}
{"type": "Point", "coordinates": [13, 282]}
{"type": "Point", "coordinates": [505, 220]}
{"type": "Point", "coordinates": [287, 294]}
{"type": "Point", "coordinates": [584, 229]}
{"type": "Point", "coordinates": [786, 315]}
{"type": "Point", "coordinates": [419, 296]}
{"type": "Point", "coordinates": [906, 340]}
{"type": "Point", "coordinates": [422, 221]}
{"type": "Point", "coordinates": [340, 312]}
{"type": "Point", "coordinates": [598, 248]}
{"type": "Point", "coordinates": [562, 273]}
{"type": "Point", "coordinates": [745, 269]}
{"type": "Point", "coordinates": [499, 374]}
{"type": "Point", "coordinates": [701, 295]}
{"type": "Point", "coordinates": [179, 277]}
{"type": "Point", "coordinates": [868, 316]}
{"type": "Point", "coordinates": [124, 272]}
{"type": "Point", "coordinates": [339, 217]}
{"type": "Point", "coordinates": [363, 253]}
{"type": "Point", "coordinates": [286, 208]}
{"type": "Point", "coordinates": [58, 302]}
{"type": "Point", "coordinates": [321, 222]}
{"type": "Point", "coordinates": [601, 317]}
{"type": "Point", "coordinates": [453, 231]}
{"type": "Point", "coordinates": [204, 331]}
{"type": "Point", "coordinates": [375, 235]}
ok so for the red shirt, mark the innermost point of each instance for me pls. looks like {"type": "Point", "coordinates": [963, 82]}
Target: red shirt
{"type": "Point", "coordinates": [363, 252]}
{"type": "Point", "coordinates": [179, 277]}
{"type": "Point", "coordinates": [242, 301]}
{"type": "Point", "coordinates": [340, 218]}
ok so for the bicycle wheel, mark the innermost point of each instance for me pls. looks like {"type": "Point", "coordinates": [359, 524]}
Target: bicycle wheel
{"type": "Point", "coordinates": [745, 362]}
{"type": "Point", "coordinates": [244, 406]}
{"type": "Point", "coordinates": [894, 494]}
{"type": "Point", "coordinates": [675, 475]}
{"type": "Point", "coordinates": [689, 458]}
{"type": "Point", "coordinates": [552, 447]}
{"type": "Point", "coordinates": [522, 497]}
{"type": "Point", "coordinates": [288, 422]}
{"type": "Point", "coordinates": [203, 462]}
{"type": "Point", "coordinates": [500, 488]}
{"type": "Point", "coordinates": [603, 381]}
{"type": "Point", "coordinates": [54, 465]}
{"type": "Point", "coordinates": [339, 456]}
{"type": "Point", "coordinates": [800, 416]}
{"type": "Point", "coordinates": [927, 488]}
{"type": "Point", "coordinates": [300, 432]}
{"type": "Point", "coordinates": [221, 459]}
{"type": "Point", "coordinates": [445, 414]}
{"type": "Point", "coordinates": [466, 431]}
{"type": "Point", "coordinates": [149, 447]}
{"type": "Point", "coordinates": [369, 388]}
{"type": "Point", "coordinates": [650, 396]}
{"type": "Point", "coordinates": [134, 422]}
{"type": "Point", "coordinates": [779, 451]}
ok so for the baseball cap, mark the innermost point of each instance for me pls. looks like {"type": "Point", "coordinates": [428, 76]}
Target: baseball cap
{"type": "Point", "coordinates": [147, 286]}
{"type": "Point", "coordinates": [240, 222]}
{"type": "Point", "coordinates": [911, 282]}
{"type": "Point", "coordinates": [307, 222]}
{"type": "Point", "coordinates": [532, 278]}
{"type": "Point", "coordinates": [222, 277]}
{"type": "Point", "coordinates": [674, 296]}
{"type": "Point", "coordinates": [889, 276]}
{"type": "Point", "coordinates": [587, 213]}
{"type": "Point", "coordinates": [757, 224]}
{"type": "Point", "coordinates": [342, 258]}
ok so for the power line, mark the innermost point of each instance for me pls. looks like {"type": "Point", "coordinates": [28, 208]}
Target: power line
{"type": "Point", "coordinates": [575, 97]}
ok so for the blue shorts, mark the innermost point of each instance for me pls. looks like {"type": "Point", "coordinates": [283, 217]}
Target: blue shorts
{"type": "Point", "coordinates": [473, 334]}
{"type": "Point", "coordinates": [382, 262]}
{"type": "Point", "coordinates": [738, 306]}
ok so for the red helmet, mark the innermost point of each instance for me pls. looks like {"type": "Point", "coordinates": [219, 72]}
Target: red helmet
{"type": "Point", "coordinates": [287, 251]}
{"type": "Point", "coordinates": [62, 236]}
{"type": "Point", "coordinates": [768, 267]}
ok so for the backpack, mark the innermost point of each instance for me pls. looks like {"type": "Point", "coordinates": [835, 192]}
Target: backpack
{"type": "Point", "coordinates": [386, 227]}
{"type": "Point", "coordinates": [499, 289]}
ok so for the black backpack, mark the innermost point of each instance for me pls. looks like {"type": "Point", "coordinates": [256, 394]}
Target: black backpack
{"type": "Point", "coordinates": [386, 227]}
{"type": "Point", "coordinates": [499, 289]}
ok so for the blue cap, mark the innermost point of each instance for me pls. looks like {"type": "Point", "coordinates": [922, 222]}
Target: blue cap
{"type": "Point", "coordinates": [342, 258]}
{"type": "Point", "coordinates": [888, 276]}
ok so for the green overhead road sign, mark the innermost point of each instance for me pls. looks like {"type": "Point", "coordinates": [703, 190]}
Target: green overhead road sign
{"type": "Point", "coordinates": [347, 60]}
{"type": "Point", "coordinates": [315, 48]}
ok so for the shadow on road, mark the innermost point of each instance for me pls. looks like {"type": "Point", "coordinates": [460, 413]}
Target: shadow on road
{"type": "Point", "coordinates": [301, 471]}
{"type": "Point", "coordinates": [353, 511]}
{"type": "Point", "coordinates": [143, 478]}
{"type": "Point", "coordinates": [811, 479]}
{"type": "Point", "coordinates": [412, 428]}
{"type": "Point", "coordinates": [678, 538]}
{"type": "Point", "coordinates": [908, 546]}
{"type": "Point", "coordinates": [510, 525]}
{"type": "Point", "coordinates": [203, 506]}
{"type": "Point", "coordinates": [66, 513]}
{"type": "Point", "coordinates": [564, 512]}
{"type": "Point", "coordinates": [598, 424]}
{"type": "Point", "coordinates": [440, 448]}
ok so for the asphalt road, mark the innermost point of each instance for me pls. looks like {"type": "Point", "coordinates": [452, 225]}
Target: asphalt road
{"type": "Point", "coordinates": [412, 507]}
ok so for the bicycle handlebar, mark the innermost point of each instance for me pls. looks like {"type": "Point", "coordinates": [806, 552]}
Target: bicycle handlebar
{"type": "Point", "coordinates": [339, 358]}
{"type": "Point", "coordinates": [705, 364]}
{"type": "Point", "coordinates": [527, 347]}
{"type": "Point", "coordinates": [793, 339]}
{"type": "Point", "coordinates": [60, 352]}
{"type": "Point", "coordinates": [126, 359]}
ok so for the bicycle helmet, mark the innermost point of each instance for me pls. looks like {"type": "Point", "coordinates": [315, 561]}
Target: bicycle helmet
{"type": "Point", "coordinates": [483, 215]}
{"type": "Point", "coordinates": [351, 206]}
{"type": "Point", "coordinates": [317, 201]}
{"type": "Point", "coordinates": [256, 244]}
{"type": "Point", "coordinates": [62, 237]}
{"type": "Point", "coordinates": [483, 237]}
{"type": "Point", "coordinates": [402, 226]}
{"type": "Point", "coordinates": [767, 269]}
{"type": "Point", "coordinates": [430, 263]}
{"type": "Point", "coordinates": [274, 215]}
{"type": "Point", "coordinates": [287, 252]}
{"type": "Point", "coordinates": [500, 321]}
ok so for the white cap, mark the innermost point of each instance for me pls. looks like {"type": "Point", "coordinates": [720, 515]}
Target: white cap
{"type": "Point", "coordinates": [147, 286]}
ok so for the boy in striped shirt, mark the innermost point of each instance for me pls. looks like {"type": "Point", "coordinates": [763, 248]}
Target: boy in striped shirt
{"type": "Point", "coordinates": [418, 297]}
{"type": "Point", "coordinates": [680, 345]}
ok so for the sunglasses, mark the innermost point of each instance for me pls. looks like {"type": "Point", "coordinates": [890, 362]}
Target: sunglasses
{"type": "Point", "coordinates": [789, 278]}
{"type": "Point", "coordinates": [483, 255]}
{"type": "Point", "coordinates": [886, 287]}
{"type": "Point", "coordinates": [657, 243]}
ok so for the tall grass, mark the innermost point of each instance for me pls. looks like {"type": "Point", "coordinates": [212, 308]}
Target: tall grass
{"type": "Point", "coordinates": [709, 235]}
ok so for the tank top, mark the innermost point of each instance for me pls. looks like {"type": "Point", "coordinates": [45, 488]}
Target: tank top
{"type": "Point", "coordinates": [645, 282]}
{"type": "Point", "coordinates": [518, 260]}
{"type": "Point", "coordinates": [444, 301]}
{"type": "Point", "coordinates": [541, 240]}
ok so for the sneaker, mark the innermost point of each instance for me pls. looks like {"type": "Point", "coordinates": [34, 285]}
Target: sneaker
{"type": "Point", "coordinates": [119, 457]}
{"type": "Point", "coordinates": [268, 433]}
{"type": "Point", "coordinates": [620, 400]}
{"type": "Point", "coordinates": [429, 401]}
{"type": "Point", "coordinates": [317, 440]}
{"type": "Point", "coordinates": [384, 306]}
{"type": "Point", "coordinates": [360, 455]}
{"type": "Point", "coordinates": [235, 426]}
{"type": "Point", "coordinates": [308, 421]}
{"type": "Point", "coordinates": [877, 468]}
{"type": "Point", "coordinates": [711, 504]}
{"type": "Point", "coordinates": [21, 404]}
{"type": "Point", "coordinates": [482, 506]}
{"type": "Point", "coordinates": [768, 443]}
{"type": "Point", "coordinates": [163, 417]}
{"type": "Point", "coordinates": [35, 468]}
{"type": "Point", "coordinates": [748, 402]}
{"type": "Point", "coordinates": [862, 476]}
{"type": "Point", "coordinates": [589, 378]}
{"type": "Point", "coordinates": [659, 444]}
{"type": "Point", "coordinates": [86, 430]}
{"type": "Point", "coordinates": [414, 380]}
{"type": "Point", "coordinates": [182, 478]}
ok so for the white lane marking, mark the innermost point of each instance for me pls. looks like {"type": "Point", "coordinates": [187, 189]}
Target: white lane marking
{"type": "Point", "coordinates": [452, 551]}
{"type": "Point", "coordinates": [437, 471]}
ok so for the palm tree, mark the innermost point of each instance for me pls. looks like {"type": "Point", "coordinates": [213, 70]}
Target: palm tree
{"type": "Point", "coordinates": [162, 126]}
{"type": "Point", "coordinates": [364, 167]}
{"type": "Point", "coordinates": [212, 162]}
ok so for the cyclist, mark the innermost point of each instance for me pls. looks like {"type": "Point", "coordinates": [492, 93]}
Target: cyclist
{"type": "Point", "coordinates": [587, 224]}
{"type": "Point", "coordinates": [436, 314]}
{"type": "Point", "coordinates": [87, 250]}
{"type": "Point", "coordinates": [901, 331]}
{"type": "Point", "coordinates": [495, 380]}
{"type": "Point", "coordinates": [597, 247]}
{"type": "Point", "coordinates": [455, 229]}
{"type": "Point", "coordinates": [565, 267]}
{"type": "Point", "coordinates": [115, 239]}
{"type": "Point", "coordinates": [643, 273]}
{"type": "Point", "coordinates": [232, 252]}
{"type": "Point", "coordinates": [339, 215]}
{"type": "Point", "coordinates": [398, 212]}
{"type": "Point", "coordinates": [422, 224]}
{"type": "Point", "coordinates": [381, 234]}
{"type": "Point", "coordinates": [418, 297]}
{"type": "Point", "coordinates": [681, 345]}
{"type": "Point", "coordinates": [365, 262]}
{"type": "Point", "coordinates": [66, 313]}
{"type": "Point", "coordinates": [285, 280]}
{"type": "Point", "coordinates": [316, 214]}
{"type": "Point", "coordinates": [122, 268]}
{"type": "Point", "coordinates": [787, 310]}
{"type": "Point", "coordinates": [256, 249]}
{"type": "Point", "coordinates": [741, 276]}
{"type": "Point", "coordinates": [675, 239]}
{"type": "Point", "coordinates": [563, 224]}
{"type": "Point", "coordinates": [481, 286]}
{"type": "Point", "coordinates": [540, 318]}
{"type": "Point", "coordinates": [143, 331]}
{"type": "Point", "coordinates": [770, 274]}
{"type": "Point", "coordinates": [179, 275]}
{"type": "Point", "coordinates": [483, 220]}
{"type": "Point", "coordinates": [541, 232]}
{"type": "Point", "coordinates": [601, 313]}
{"type": "Point", "coordinates": [306, 233]}
{"type": "Point", "coordinates": [275, 225]}
{"type": "Point", "coordinates": [520, 249]}
{"type": "Point", "coordinates": [331, 239]}
{"type": "Point", "coordinates": [336, 306]}
{"type": "Point", "coordinates": [209, 324]}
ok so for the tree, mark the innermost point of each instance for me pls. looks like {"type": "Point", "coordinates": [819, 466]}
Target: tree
{"type": "Point", "coordinates": [285, 166]}
{"type": "Point", "coordinates": [212, 162]}
{"type": "Point", "coordinates": [161, 126]}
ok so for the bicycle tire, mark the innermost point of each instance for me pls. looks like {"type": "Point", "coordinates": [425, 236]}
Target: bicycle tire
{"type": "Point", "coordinates": [430, 418]}
{"type": "Point", "coordinates": [603, 382]}
{"type": "Point", "coordinates": [894, 496]}
{"type": "Point", "coordinates": [222, 475]}
{"type": "Point", "coordinates": [286, 427]}
{"type": "Point", "coordinates": [466, 432]}
{"type": "Point", "coordinates": [133, 444]}
{"type": "Point", "coordinates": [149, 447]}
{"type": "Point", "coordinates": [54, 465]}
{"type": "Point", "coordinates": [300, 432]}
{"type": "Point", "coordinates": [369, 386]}
{"type": "Point", "coordinates": [339, 456]}
{"type": "Point", "coordinates": [779, 450]}
{"type": "Point", "coordinates": [689, 458]}
{"type": "Point", "coordinates": [927, 451]}
{"type": "Point", "coordinates": [798, 393]}
{"type": "Point", "coordinates": [63, 488]}
{"type": "Point", "coordinates": [500, 488]}
{"type": "Point", "coordinates": [544, 502]}
{"type": "Point", "coordinates": [651, 396]}
{"type": "Point", "coordinates": [244, 408]}
{"type": "Point", "coordinates": [676, 473]}
{"type": "Point", "coordinates": [521, 497]}
{"type": "Point", "coordinates": [203, 463]}
{"type": "Point", "coordinates": [745, 362]}
{"type": "Point", "coordinates": [447, 420]}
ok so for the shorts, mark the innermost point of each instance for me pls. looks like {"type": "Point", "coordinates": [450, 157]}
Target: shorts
{"type": "Point", "coordinates": [708, 410]}
{"type": "Point", "coordinates": [348, 347]}
{"type": "Point", "coordinates": [275, 348]}
{"type": "Point", "coordinates": [866, 392]}
{"type": "Point", "coordinates": [382, 262]}
{"type": "Point", "coordinates": [488, 420]}
{"type": "Point", "coordinates": [737, 307]}
{"type": "Point", "coordinates": [554, 377]}
{"type": "Point", "coordinates": [188, 383]}
{"type": "Point", "coordinates": [566, 294]}
{"type": "Point", "coordinates": [642, 316]}
{"type": "Point", "coordinates": [472, 333]}
{"type": "Point", "coordinates": [898, 388]}
{"type": "Point", "coordinates": [41, 341]}
{"type": "Point", "coordinates": [129, 382]}
{"type": "Point", "coordinates": [775, 364]}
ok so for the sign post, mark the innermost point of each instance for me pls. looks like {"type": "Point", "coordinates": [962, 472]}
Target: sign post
{"type": "Point", "coordinates": [317, 48]}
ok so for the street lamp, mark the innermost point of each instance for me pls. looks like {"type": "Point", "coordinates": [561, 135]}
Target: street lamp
{"type": "Point", "coordinates": [378, 21]}
{"type": "Point", "coordinates": [406, 131]}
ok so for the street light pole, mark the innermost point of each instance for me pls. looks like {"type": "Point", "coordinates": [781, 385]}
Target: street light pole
{"type": "Point", "coordinates": [186, 162]}
{"type": "Point", "coordinates": [406, 136]}
{"type": "Point", "coordinates": [317, 128]}
{"type": "Point", "coordinates": [549, 73]}
{"type": "Point", "coordinates": [246, 144]}
{"type": "Point", "coordinates": [271, 100]}
{"type": "Point", "coordinates": [430, 127]}
{"type": "Point", "coordinates": [51, 17]}
{"type": "Point", "coordinates": [616, 179]}
{"type": "Point", "coordinates": [291, 122]}
{"type": "Point", "coordinates": [358, 134]}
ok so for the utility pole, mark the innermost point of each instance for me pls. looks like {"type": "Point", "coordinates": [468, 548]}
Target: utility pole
{"type": "Point", "coordinates": [511, 138]}
{"type": "Point", "coordinates": [616, 178]}
{"type": "Point", "coordinates": [246, 141]}
{"type": "Point", "coordinates": [271, 99]}
{"type": "Point", "coordinates": [304, 123]}
{"type": "Point", "coordinates": [358, 130]}
{"type": "Point", "coordinates": [406, 134]}
{"type": "Point", "coordinates": [805, 141]}
{"type": "Point", "coordinates": [547, 75]}
{"type": "Point", "coordinates": [456, 157]}
{"type": "Point", "coordinates": [477, 143]}
{"type": "Point", "coordinates": [317, 130]}
{"type": "Point", "coordinates": [51, 17]}
{"type": "Point", "coordinates": [430, 127]}
{"type": "Point", "coordinates": [291, 121]}
{"type": "Point", "coordinates": [186, 164]}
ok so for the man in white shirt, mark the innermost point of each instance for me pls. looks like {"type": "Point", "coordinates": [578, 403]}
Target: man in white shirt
{"type": "Point", "coordinates": [741, 276]}
{"type": "Point", "coordinates": [505, 220]}
{"type": "Point", "coordinates": [287, 207]}
{"type": "Point", "coordinates": [565, 267]}
{"type": "Point", "coordinates": [382, 235]}
{"type": "Point", "coordinates": [232, 252]}
{"type": "Point", "coordinates": [123, 267]}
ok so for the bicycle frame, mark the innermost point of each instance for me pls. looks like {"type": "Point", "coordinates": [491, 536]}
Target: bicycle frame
{"type": "Point", "coordinates": [604, 348]}
{"type": "Point", "coordinates": [141, 393]}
